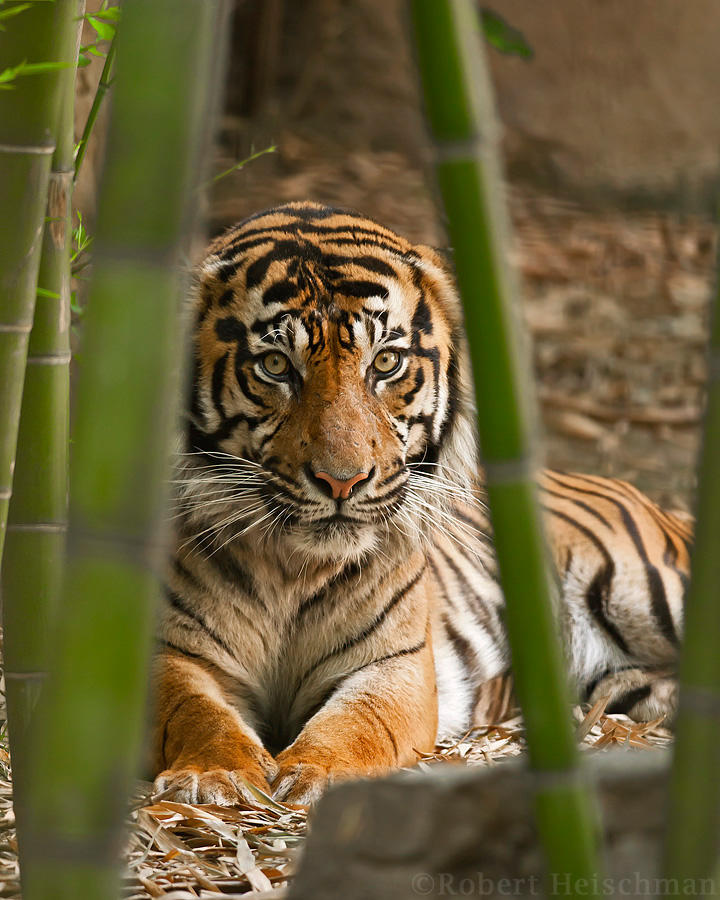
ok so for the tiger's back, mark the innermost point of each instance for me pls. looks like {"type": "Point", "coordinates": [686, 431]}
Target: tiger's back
{"type": "Point", "coordinates": [333, 602]}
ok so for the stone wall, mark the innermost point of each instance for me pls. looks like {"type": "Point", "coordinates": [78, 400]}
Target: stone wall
{"type": "Point", "coordinates": [456, 831]}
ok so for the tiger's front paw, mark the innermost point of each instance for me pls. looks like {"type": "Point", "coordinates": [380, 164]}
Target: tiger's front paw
{"type": "Point", "coordinates": [303, 777]}
{"type": "Point", "coordinates": [214, 784]}
{"type": "Point", "coordinates": [219, 786]}
{"type": "Point", "coordinates": [301, 782]}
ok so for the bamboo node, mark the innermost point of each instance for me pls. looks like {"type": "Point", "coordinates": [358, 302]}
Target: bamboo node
{"type": "Point", "coordinates": [30, 149]}
{"type": "Point", "coordinates": [702, 701]}
{"type": "Point", "coordinates": [714, 366]}
{"type": "Point", "coordinates": [25, 676]}
{"type": "Point", "coordinates": [82, 849]}
{"type": "Point", "coordinates": [459, 150]}
{"type": "Point", "coordinates": [506, 471]}
{"type": "Point", "coordinates": [551, 780]}
{"type": "Point", "coordinates": [50, 359]}
{"type": "Point", "coordinates": [142, 552]}
{"type": "Point", "coordinates": [39, 527]}
{"type": "Point", "coordinates": [15, 327]}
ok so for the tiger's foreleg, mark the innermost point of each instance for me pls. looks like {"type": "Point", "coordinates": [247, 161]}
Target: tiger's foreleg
{"type": "Point", "coordinates": [202, 748]}
{"type": "Point", "coordinates": [379, 718]}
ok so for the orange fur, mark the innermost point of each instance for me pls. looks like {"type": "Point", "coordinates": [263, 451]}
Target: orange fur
{"type": "Point", "coordinates": [206, 757]}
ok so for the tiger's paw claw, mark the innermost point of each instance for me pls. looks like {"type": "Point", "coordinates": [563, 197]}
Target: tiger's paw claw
{"type": "Point", "coordinates": [300, 782]}
{"type": "Point", "coordinates": [221, 787]}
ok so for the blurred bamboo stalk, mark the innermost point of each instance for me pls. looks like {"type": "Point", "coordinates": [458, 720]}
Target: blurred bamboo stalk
{"type": "Point", "coordinates": [460, 111]}
{"type": "Point", "coordinates": [88, 729]}
{"type": "Point", "coordinates": [693, 841]}
{"type": "Point", "coordinates": [37, 518]}
{"type": "Point", "coordinates": [33, 34]}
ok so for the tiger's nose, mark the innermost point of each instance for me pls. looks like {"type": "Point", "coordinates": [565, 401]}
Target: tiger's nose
{"type": "Point", "coordinates": [339, 488]}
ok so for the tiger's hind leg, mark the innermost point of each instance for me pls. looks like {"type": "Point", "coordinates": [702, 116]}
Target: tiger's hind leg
{"type": "Point", "coordinates": [624, 565]}
{"type": "Point", "coordinates": [641, 694]}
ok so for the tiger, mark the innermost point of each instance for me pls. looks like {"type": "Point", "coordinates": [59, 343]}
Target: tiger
{"type": "Point", "coordinates": [332, 605]}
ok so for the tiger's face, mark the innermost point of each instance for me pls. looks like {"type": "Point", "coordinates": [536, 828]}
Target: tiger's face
{"type": "Point", "coordinates": [329, 399]}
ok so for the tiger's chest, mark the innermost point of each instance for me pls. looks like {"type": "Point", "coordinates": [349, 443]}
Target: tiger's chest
{"type": "Point", "coordinates": [282, 646]}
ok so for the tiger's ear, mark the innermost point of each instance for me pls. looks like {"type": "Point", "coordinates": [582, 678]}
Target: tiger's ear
{"type": "Point", "coordinates": [194, 309]}
{"type": "Point", "coordinates": [442, 256]}
{"type": "Point", "coordinates": [193, 411]}
{"type": "Point", "coordinates": [459, 454]}
{"type": "Point", "coordinates": [438, 261]}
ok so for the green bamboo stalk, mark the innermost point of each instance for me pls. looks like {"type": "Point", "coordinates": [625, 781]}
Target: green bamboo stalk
{"type": "Point", "coordinates": [88, 728]}
{"type": "Point", "coordinates": [37, 518]}
{"type": "Point", "coordinates": [693, 840]}
{"type": "Point", "coordinates": [459, 105]}
{"type": "Point", "coordinates": [28, 111]}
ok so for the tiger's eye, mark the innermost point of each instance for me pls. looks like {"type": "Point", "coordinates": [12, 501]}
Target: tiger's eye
{"type": "Point", "coordinates": [387, 362]}
{"type": "Point", "coordinates": [275, 364]}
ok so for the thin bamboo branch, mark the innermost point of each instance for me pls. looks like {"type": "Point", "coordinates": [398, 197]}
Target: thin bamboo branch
{"type": "Point", "coordinates": [693, 840]}
{"type": "Point", "coordinates": [37, 517]}
{"type": "Point", "coordinates": [459, 104]}
{"type": "Point", "coordinates": [28, 112]}
{"type": "Point", "coordinates": [88, 729]}
{"type": "Point", "coordinates": [101, 91]}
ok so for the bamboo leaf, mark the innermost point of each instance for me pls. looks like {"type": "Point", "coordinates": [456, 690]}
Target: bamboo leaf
{"type": "Point", "coordinates": [106, 13]}
{"type": "Point", "coordinates": [105, 29]}
{"type": "Point", "coordinates": [24, 68]}
{"type": "Point", "coordinates": [14, 11]}
{"type": "Point", "coordinates": [241, 165]}
{"type": "Point", "coordinates": [503, 37]}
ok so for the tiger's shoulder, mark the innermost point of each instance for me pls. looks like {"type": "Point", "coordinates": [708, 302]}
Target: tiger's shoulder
{"type": "Point", "coordinates": [613, 516]}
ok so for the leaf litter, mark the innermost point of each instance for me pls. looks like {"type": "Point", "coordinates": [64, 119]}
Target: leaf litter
{"type": "Point", "coordinates": [181, 851]}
